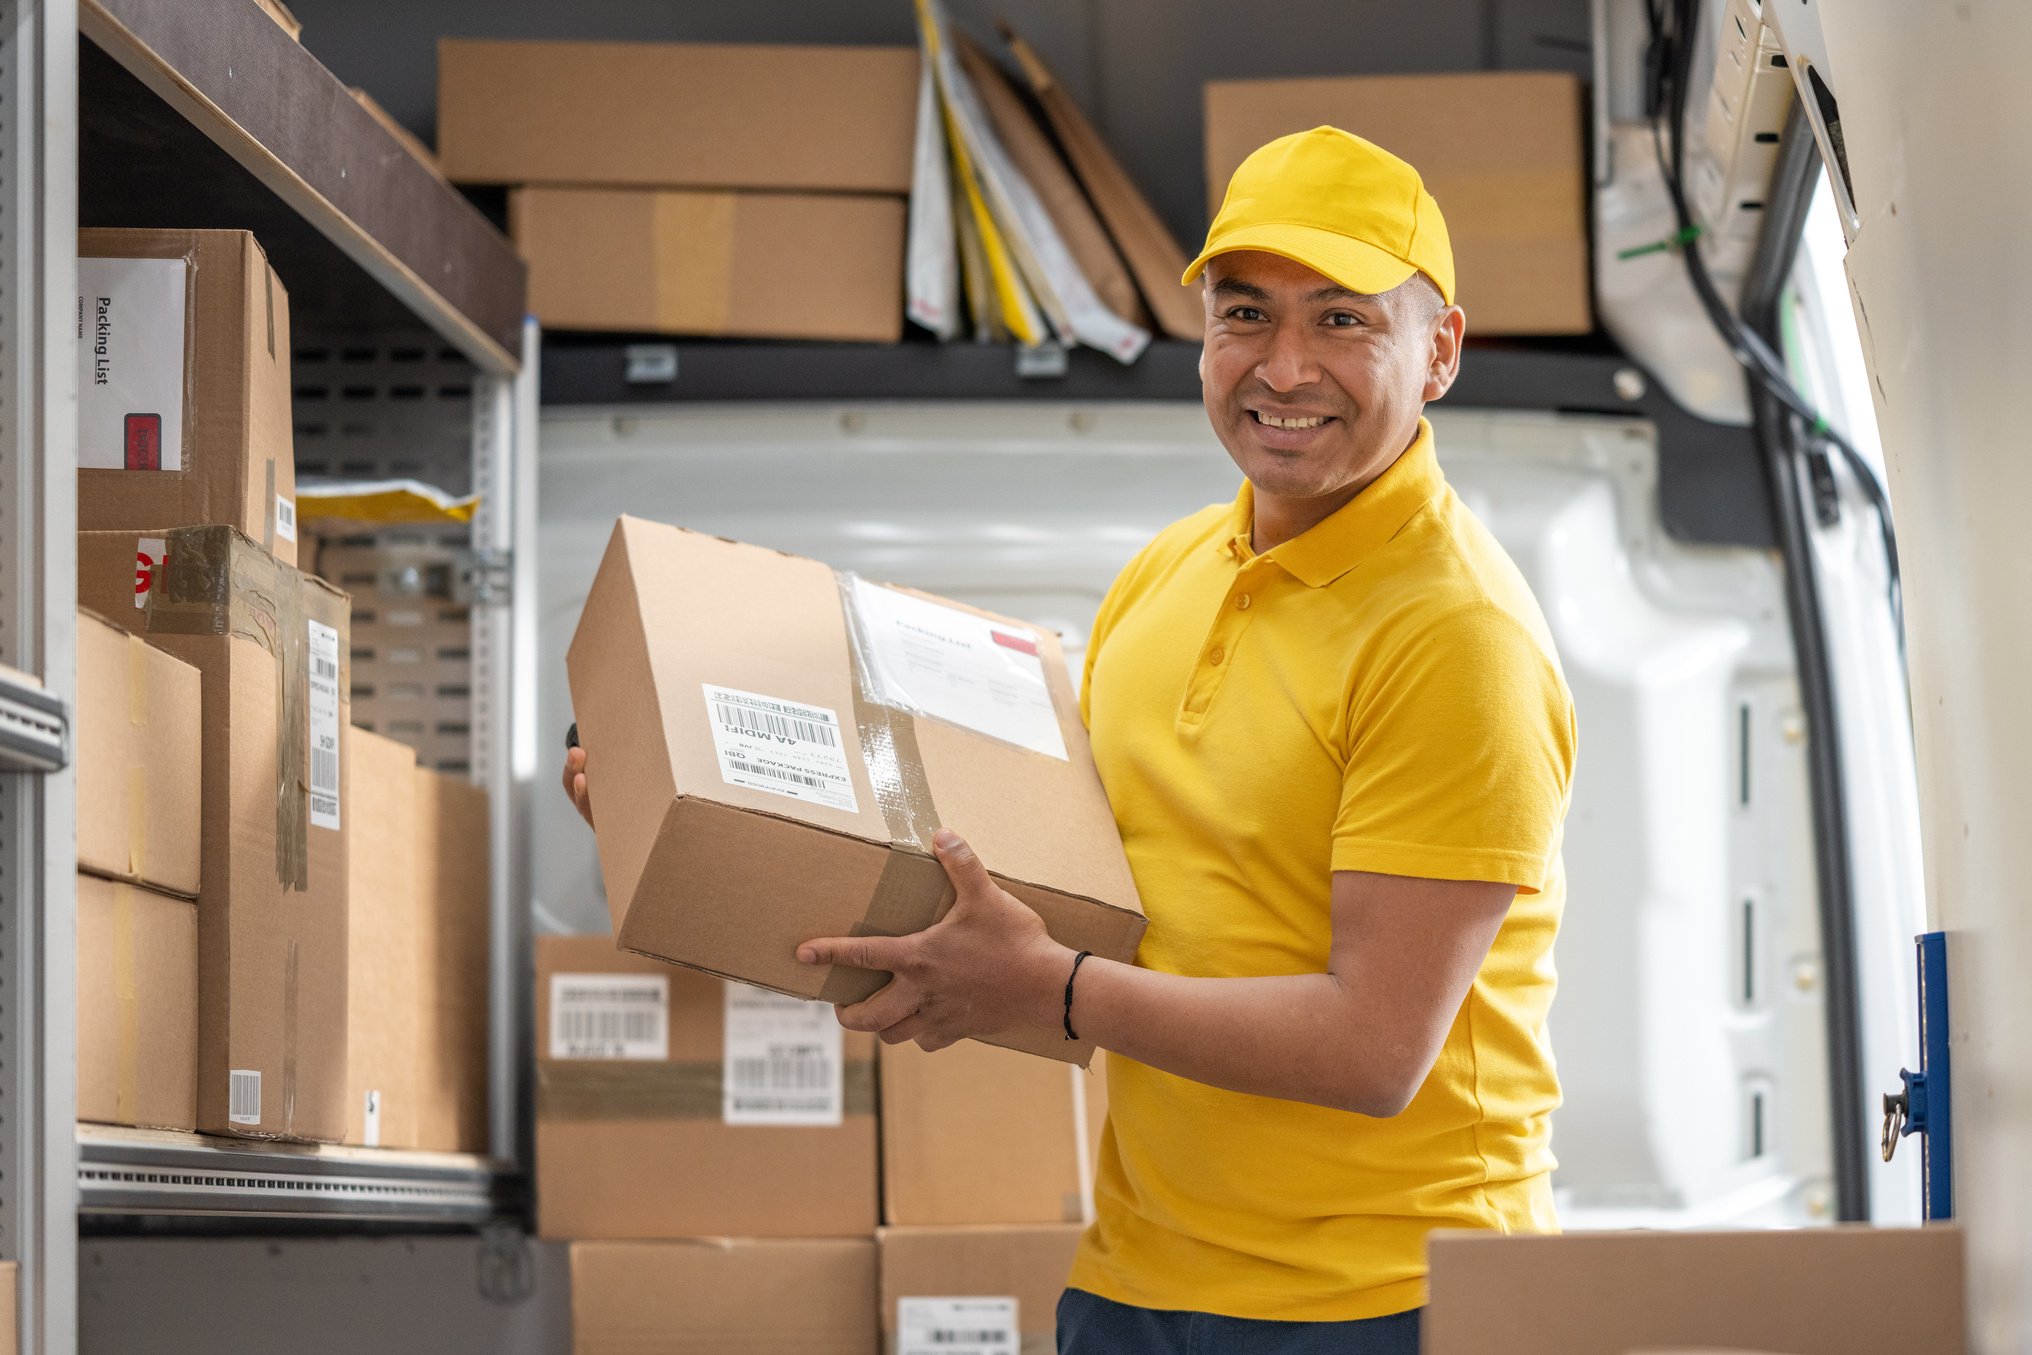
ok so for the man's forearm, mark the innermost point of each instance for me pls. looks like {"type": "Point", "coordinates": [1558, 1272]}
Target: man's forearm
{"type": "Point", "coordinates": [1303, 1037]}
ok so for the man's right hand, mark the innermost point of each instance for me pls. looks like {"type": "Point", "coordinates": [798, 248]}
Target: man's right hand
{"type": "Point", "coordinates": [575, 782]}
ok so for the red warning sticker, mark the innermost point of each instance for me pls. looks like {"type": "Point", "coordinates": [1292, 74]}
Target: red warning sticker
{"type": "Point", "coordinates": [1022, 644]}
{"type": "Point", "coordinates": [144, 442]}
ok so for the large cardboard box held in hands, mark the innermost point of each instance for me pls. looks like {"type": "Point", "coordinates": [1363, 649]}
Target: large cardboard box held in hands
{"type": "Point", "coordinates": [758, 1112]}
{"type": "Point", "coordinates": [1503, 153]}
{"type": "Point", "coordinates": [729, 265]}
{"type": "Point", "coordinates": [138, 757]}
{"type": "Point", "coordinates": [940, 1283]}
{"type": "Point", "coordinates": [453, 892]}
{"type": "Point", "coordinates": [677, 115]}
{"type": "Point", "coordinates": [976, 1134]}
{"type": "Point", "coordinates": [714, 1296]}
{"type": "Point", "coordinates": [137, 1006]}
{"type": "Point", "coordinates": [271, 645]}
{"type": "Point", "coordinates": [1804, 1291]}
{"type": "Point", "coordinates": [761, 775]}
{"type": "Point", "coordinates": [183, 386]}
{"type": "Point", "coordinates": [385, 945]}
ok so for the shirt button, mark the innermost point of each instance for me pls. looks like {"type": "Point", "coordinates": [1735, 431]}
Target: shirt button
{"type": "Point", "coordinates": [1216, 657]}
{"type": "Point", "coordinates": [1242, 603]}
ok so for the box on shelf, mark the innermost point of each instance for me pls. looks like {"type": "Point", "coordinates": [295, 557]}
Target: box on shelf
{"type": "Point", "coordinates": [976, 1134]}
{"type": "Point", "coordinates": [454, 892]}
{"type": "Point", "coordinates": [1807, 1291]}
{"type": "Point", "coordinates": [385, 945]}
{"type": "Point", "coordinates": [758, 785]}
{"type": "Point", "coordinates": [137, 1006]}
{"type": "Point", "coordinates": [271, 645]}
{"type": "Point", "coordinates": [709, 1296]}
{"type": "Point", "coordinates": [677, 115]}
{"type": "Point", "coordinates": [736, 265]}
{"type": "Point", "coordinates": [1503, 152]}
{"type": "Point", "coordinates": [642, 1063]}
{"type": "Point", "coordinates": [138, 754]}
{"type": "Point", "coordinates": [938, 1284]}
{"type": "Point", "coordinates": [183, 386]}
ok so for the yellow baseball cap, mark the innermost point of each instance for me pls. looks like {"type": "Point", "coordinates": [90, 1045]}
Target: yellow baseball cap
{"type": "Point", "coordinates": [1342, 206]}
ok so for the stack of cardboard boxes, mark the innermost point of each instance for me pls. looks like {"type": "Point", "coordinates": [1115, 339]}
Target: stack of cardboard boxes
{"type": "Point", "coordinates": [676, 188]}
{"type": "Point", "coordinates": [214, 761]}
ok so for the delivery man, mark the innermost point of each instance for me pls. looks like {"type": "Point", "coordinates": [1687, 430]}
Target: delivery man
{"type": "Point", "coordinates": [1339, 745]}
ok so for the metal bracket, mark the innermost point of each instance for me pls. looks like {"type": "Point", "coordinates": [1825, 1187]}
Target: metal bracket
{"type": "Point", "coordinates": [1926, 1105]}
{"type": "Point", "coordinates": [484, 577]}
{"type": "Point", "coordinates": [649, 364]}
{"type": "Point", "coordinates": [34, 728]}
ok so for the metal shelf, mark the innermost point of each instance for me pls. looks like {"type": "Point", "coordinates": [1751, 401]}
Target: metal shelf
{"type": "Point", "coordinates": [33, 727]}
{"type": "Point", "coordinates": [134, 1172]}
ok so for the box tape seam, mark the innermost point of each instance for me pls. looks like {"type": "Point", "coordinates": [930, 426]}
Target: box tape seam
{"type": "Point", "coordinates": [137, 821]}
{"type": "Point", "coordinates": [290, 986]}
{"type": "Point", "coordinates": [127, 1090]}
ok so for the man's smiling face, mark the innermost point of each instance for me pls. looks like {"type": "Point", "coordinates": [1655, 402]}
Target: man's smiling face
{"type": "Point", "coordinates": [1312, 388]}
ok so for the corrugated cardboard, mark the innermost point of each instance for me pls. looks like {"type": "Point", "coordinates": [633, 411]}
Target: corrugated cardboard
{"type": "Point", "coordinates": [10, 1286]}
{"type": "Point", "coordinates": [239, 450]}
{"type": "Point", "coordinates": [137, 1006]}
{"type": "Point", "coordinates": [730, 879]}
{"type": "Point", "coordinates": [1029, 1265]}
{"type": "Point", "coordinates": [1502, 152]}
{"type": "Point", "coordinates": [272, 897]}
{"type": "Point", "coordinates": [454, 892]}
{"type": "Point", "coordinates": [138, 756]}
{"type": "Point", "coordinates": [975, 1134]}
{"type": "Point", "coordinates": [385, 946]}
{"type": "Point", "coordinates": [1806, 1291]}
{"type": "Point", "coordinates": [599, 1121]}
{"type": "Point", "coordinates": [716, 1296]}
{"type": "Point", "coordinates": [743, 265]}
{"type": "Point", "coordinates": [677, 115]}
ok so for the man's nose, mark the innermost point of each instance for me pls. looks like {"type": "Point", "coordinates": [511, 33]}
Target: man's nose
{"type": "Point", "coordinates": [1288, 364]}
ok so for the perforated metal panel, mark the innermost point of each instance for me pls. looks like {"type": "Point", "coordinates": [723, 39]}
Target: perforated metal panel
{"type": "Point", "coordinates": [397, 408]}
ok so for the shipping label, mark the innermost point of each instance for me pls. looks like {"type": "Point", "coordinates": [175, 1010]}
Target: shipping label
{"type": "Point", "coordinates": [131, 363]}
{"type": "Point", "coordinates": [285, 518]}
{"type": "Point", "coordinates": [970, 1326]}
{"type": "Point", "coordinates": [783, 747]}
{"type": "Point", "coordinates": [324, 726]}
{"type": "Point", "coordinates": [610, 1016]}
{"type": "Point", "coordinates": [243, 1095]}
{"type": "Point", "coordinates": [784, 1061]}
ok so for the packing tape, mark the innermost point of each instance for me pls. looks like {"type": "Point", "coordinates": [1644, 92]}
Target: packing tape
{"type": "Point", "coordinates": [127, 1091]}
{"type": "Point", "coordinates": [618, 1089]}
{"type": "Point", "coordinates": [268, 509]}
{"type": "Point", "coordinates": [137, 822]}
{"type": "Point", "coordinates": [911, 893]}
{"type": "Point", "coordinates": [692, 250]}
{"type": "Point", "coordinates": [211, 584]}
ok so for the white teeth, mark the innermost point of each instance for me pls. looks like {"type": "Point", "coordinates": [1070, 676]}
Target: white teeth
{"type": "Point", "coordinates": [1272, 421]}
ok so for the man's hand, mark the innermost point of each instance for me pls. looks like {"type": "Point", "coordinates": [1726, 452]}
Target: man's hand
{"type": "Point", "coordinates": [987, 966]}
{"type": "Point", "coordinates": [575, 782]}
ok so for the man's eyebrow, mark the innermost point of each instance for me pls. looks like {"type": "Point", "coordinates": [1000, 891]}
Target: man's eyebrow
{"type": "Point", "coordinates": [1237, 287]}
{"type": "Point", "coordinates": [1336, 292]}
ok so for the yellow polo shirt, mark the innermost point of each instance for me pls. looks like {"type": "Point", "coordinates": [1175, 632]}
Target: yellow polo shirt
{"type": "Point", "coordinates": [1378, 694]}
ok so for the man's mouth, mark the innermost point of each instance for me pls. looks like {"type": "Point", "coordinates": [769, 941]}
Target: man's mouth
{"type": "Point", "coordinates": [1296, 422]}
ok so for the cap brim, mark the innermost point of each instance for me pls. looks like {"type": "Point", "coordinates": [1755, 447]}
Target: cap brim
{"type": "Point", "coordinates": [1354, 264]}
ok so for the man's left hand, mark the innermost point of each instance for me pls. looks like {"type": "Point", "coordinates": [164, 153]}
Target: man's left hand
{"type": "Point", "coordinates": [987, 966]}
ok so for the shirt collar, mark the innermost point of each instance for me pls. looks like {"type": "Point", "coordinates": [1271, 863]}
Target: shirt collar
{"type": "Point", "coordinates": [1324, 552]}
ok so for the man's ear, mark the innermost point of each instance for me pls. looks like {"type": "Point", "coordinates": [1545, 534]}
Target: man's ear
{"type": "Point", "coordinates": [1449, 332]}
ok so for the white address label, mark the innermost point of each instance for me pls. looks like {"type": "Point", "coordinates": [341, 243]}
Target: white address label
{"type": "Point", "coordinates": [784, 1063]}
{"type": "Point", "coordinates": [324, 726]}
{"type": "Point", "coordinates": [971, 1326]}
{"type": "Point", "coordinates": [609, 1016]}
{"type": "Point", "coordinates": [783, 747]}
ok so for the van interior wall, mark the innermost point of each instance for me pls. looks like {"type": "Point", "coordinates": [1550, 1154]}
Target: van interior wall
{"type": "Point", "coordinates": [1940, 279]}
{"type": "Point", "coordinates": [1136, 66]}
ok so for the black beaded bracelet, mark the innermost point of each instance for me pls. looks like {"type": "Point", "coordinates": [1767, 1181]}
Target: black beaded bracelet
{"type": "Point", "coordinates": [1077, 961]}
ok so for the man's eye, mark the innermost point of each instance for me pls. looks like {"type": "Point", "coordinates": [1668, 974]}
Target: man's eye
{"type": "Point", "coordinates": [1342, 320]}
{"type": "Point", "coordinates": [1245, 313]}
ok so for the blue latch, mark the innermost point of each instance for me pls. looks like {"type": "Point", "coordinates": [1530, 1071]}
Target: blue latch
{"type": "Point", "coordinates": [1926, 1105]}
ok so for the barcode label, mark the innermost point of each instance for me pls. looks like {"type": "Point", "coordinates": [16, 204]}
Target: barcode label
{"type": "Point", "coordinates": [961, 1326]}
{"type": "Point", "coordinates": [784, 1063]}
{"type": "Point", "coordinates": [243, 1095]}
{"type": "Point", "coordinates": [285, 519]}
{"type": "Point", "coordinates": [783, 747]}
{"type": "Point", "coordinates": [324, 726]}
{"type": "Point", "coordinates": [609, 1016]}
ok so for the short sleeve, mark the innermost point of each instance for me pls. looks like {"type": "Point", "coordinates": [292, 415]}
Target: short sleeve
{"type": "Point", "coordinates": [1461, 746]}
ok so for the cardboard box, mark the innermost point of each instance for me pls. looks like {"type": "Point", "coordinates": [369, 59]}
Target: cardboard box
{"type": "Point", "coordinates": [677, 115]}
{"type": "Point", "coordinates": [1805, 1291]}
{"type": "Point", "coordinates": [1504, 153]}
{"type": "Point", "coordinates": [713, 1296]}
{"type": "Point", "coordinates": [385, 946]}
{"type": "Point", "coordinates": [742, 265]}
{"type": "Point", "coordinates": [975, 1134]}
{"type": "Point", "coordinates": [137, 1006]}
{"type": "Point", "coordinates": [10, 1321]}
{"type": "Point", "coordinates": [183, 386]}
{"type": "Point", "coordinates": [455, 894]}
{"type": "Point", "coordinates": [753, 793]}
{"type": "Point", "coordinates": [638, 1063]}
{"type": "Point", "coordinates": [939, 1282]}
{"type": "Point", "coordinates": [272, 647]}
{"type": "Point", "coordinates": [138, 756]}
